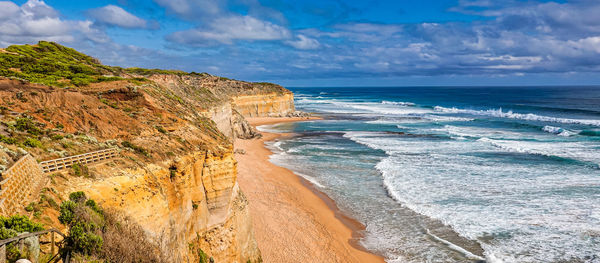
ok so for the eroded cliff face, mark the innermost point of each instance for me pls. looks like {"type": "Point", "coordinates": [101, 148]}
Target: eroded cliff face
{"type": "Point", "coordinates": [194, 203]}
{"type": "Point", "coordinates": [265, 105]}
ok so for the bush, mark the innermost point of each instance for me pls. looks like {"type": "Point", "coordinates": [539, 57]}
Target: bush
{"type": "Point", "coordinates": [20, 224]}
{"type": "Point", "coordinates": [27, 125]}
{"type": "Point", "coordinates": [172, 172]}
{"type": "Point", "coordinates": [11, 227]}
{"type": "Point", "coordinates": [78, 169]}
{"type": "Point", "coordinates": [161, 129]}
{"type": "Point", "coordinates": [33, 143]}
{"type": "Point", "coordinates": [29, 208]}
{"type": "Point", "coordinates": [203, 257]}
{"type": "Point", "coordinates": [104, 235]}
{"type": "Point", "coordinates": [109, 103]}
{"type": "Point", "coordinates": [124, 241]}
{"type": "Point", "coordinates": [84, 224]}
{"type": "Point", "coordinates": [136, 148]}
{"type": "Point", "coordinates": [77, 197]}
{"type": "Point", "coordinates": [7, 140]}
{"type": "Point", "coordinates": [56, 137]}
{"type": "Point", "coordinates": [12, 252]}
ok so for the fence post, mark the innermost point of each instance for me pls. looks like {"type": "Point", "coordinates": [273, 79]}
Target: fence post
{"type": "Point", "coordinates": [3, 254]}
{"type": "Point", "coordinates": [52, 243]}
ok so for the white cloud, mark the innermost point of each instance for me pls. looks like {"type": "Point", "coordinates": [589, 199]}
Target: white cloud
{"type": "Point", "coordinates": [231, 28]}
{"type": "Point", "coordinates": [117, 16]}
{"type": "Point", "coordinates": [304, 42]}
{"type": "Point", "coordinates": [590, 44]}
{"type": "Point", "coordinates": [192, 9]}
{"type": "Point", "coordinates": [8, 9]}
{"type": "Point", "coordinates": [35, 21]}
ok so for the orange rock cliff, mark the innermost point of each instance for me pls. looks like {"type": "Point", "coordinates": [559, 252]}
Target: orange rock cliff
{"type": "Point", "coordinates": [176, 175]}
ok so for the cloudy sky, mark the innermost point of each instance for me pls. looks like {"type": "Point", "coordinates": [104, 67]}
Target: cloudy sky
{"type": "Point", "coordinates": [328, 42]}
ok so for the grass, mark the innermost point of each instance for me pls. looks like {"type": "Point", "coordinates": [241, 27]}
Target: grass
{"type": "Point", "coordinates": [137, 149]}
{"type": "Point", "coordinates": [52, 64]}
{"type": "Point", "coordinates": [55, 65]}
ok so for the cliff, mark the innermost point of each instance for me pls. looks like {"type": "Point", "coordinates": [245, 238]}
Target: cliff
{"type": "Point", "coordinates": [177, 176]}
{"type": "Point", "coordinates": [194, 203]}
{"type": "Point", "coordinates": [265, 105]}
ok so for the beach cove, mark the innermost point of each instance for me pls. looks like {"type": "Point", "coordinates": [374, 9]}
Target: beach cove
{"type": "Point", "coordinates": [293, 222]}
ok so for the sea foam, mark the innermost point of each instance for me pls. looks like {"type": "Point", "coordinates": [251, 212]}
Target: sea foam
{"type": "Point", "coordinates": [498, 113]}
{"type": "Point", "coordinates": [558, 131]}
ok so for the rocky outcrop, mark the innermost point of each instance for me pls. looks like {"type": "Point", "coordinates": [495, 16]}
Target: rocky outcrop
{"type": "Point", "coordinates": [231, 123]}
{"type": "Point", "coordinates": [242, 129]}
{"type": "Point", "coordinates": [265, 105]}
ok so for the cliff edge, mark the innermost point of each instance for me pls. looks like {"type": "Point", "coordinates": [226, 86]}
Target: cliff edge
{"type": "Point", "coordinates": [176, 175]}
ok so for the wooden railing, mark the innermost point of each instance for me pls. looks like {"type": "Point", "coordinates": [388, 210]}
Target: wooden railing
{"type": "Point", "coordinates": [20, 183]}
{"type": "Point", "coordinates": [67, 162]}
{"type": "Point", "coordinates": [20, 238]}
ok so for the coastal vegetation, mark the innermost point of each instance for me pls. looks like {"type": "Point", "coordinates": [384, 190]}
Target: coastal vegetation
{"type": "Point", "coordinates": [53, 65]}
{"type": "Point", "coordinates": [11, 227]}
{"type": "Point", "coordinates": [96, 234]}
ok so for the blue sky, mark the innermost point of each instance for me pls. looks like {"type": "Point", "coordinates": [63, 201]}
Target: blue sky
{"type": "Point", "coordinates": [328, 42]}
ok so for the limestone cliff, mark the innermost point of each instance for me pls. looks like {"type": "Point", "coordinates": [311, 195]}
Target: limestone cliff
{"type": "Point", "coordinates": [194, 203]}
{"type": "Point", "coordinates": [177, 174]}
{"type": "Point", "coordinates": [265, 105]}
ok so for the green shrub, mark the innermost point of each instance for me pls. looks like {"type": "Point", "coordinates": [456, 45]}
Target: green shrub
{"type": "Point", "coordinates": [78, 169]}
{"type": "Point", "coordinates": [27, 125]}
{"type": "Point", "coordinates": [103, 235]}
{"type": "Point", "coordinates": [136, 148]}
{"type": "Point", "coordinates": [77, 197]}
{"type": "Point", "coordinates": [161, 129]}
{"type": "Point", "coordinates": [11, 227]}
{"type": "Point", "coordinates": [83, 223]}
{"type": "Point", "coordinates": [56, 137]}
{"type": "Point", "coordinates": [52, 203]}
{"type": "Point", "coordinates": [33, 143]}
{"type": "Point", "coordinates": [202, 257]}
{"type": "Point", "coordinates": [103, 79]}
{"type": "Point", "coordinates": [7, 140]}
{"type": "Point", "coordinates": [109, 103]}
{"type": "Point", "coordinates": [20, 224]}
{"type": "Point", "coordinates": [172, 171]}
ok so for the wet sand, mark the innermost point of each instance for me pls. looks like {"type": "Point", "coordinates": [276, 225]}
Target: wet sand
{"type": "Point", "coordinates": [292, 220]}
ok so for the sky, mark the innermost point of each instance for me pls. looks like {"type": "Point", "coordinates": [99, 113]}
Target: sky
{"type": "Point", "coordinates": [328, 42]}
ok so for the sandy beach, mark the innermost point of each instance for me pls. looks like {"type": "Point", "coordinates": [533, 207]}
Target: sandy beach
{"type": "Point", "coordinates": [293, 222]}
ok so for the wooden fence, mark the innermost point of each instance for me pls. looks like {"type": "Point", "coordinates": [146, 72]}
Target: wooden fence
{"type": "Point", "coordinates": [67, 162]}
{"type": "Point", "coordinates": [20, 183]}
{"type": "Point", "coordinates": [21, 237]}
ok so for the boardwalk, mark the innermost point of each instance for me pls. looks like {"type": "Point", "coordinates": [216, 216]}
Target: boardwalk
{"type": "Point", "coordinates": [67, 162]}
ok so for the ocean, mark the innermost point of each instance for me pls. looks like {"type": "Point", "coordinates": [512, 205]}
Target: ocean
{"type": "Point", "coordinates": [456, 174]}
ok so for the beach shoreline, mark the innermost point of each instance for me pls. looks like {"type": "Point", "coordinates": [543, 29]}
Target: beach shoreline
{"type": "Point", "coordinates": [292, 219]}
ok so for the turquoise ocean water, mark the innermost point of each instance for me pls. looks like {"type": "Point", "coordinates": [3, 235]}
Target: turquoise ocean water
{"type": "Point", "coordinates": [457, 174]}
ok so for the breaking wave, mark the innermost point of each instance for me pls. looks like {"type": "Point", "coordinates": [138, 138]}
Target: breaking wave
{"type": "Point", "coordinates": [498, 113]}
